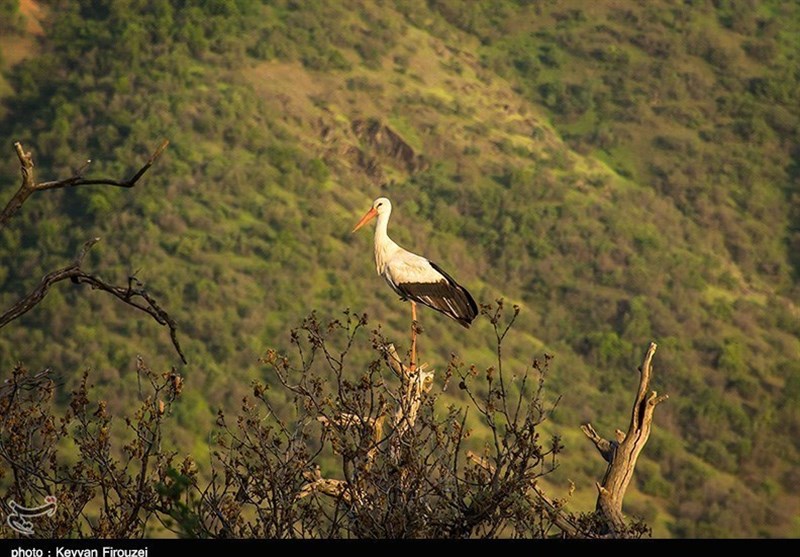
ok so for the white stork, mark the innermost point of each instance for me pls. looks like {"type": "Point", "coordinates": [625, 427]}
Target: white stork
{"type": "Point", "coordinates": [414, 278]}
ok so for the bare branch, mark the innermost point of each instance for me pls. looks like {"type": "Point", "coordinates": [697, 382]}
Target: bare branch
{"type": "Point", "coordinates": [481, 461]}
{"type": "Point", "coordinates": [29, 184]}
{"type": "Point", "coordinates": [393, 359]}
{"type": "Point", "coordinates": [552, 508]}
{"type": "Point", "coordinates": [28, 382]}
{"type": "Point", "coordinates": [316, 483]}
{"type": "Point", "coordinates": [132, 294]}
{"type": "Point", "coordinates": [605, 446]}
{"type": "Point", "coordinates": [623, 452]}
{"type": "Point", "coordinates": [414, 383]}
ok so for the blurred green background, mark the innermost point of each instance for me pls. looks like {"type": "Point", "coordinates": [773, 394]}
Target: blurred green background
{"type": "Point", "coordinates": [625, 171]}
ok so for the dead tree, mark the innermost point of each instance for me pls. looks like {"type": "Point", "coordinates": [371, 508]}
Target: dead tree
{"type": "Point", "coordinates": [415, 383]}
{"type": "Point", "coordinates": [132, 294]}
{"type": "Point", "coordinates": [622, 452]}
{"type": "Point", "coordinates": [374, 455]}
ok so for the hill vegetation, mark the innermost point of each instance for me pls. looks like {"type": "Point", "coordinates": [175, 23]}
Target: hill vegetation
{"type": "Point", "coordinates": [625, 172]}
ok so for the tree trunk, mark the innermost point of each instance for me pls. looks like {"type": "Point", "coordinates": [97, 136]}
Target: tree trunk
{"type": "Point", "coordinates": [622, 452]}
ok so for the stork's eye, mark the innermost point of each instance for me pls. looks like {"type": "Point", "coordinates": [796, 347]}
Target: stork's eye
{"type": "Point", "coordinates": [379, 204]}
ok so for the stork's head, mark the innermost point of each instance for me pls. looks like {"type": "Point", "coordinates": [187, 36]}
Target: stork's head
{"type": "Point", "coordinates": [379, 207]}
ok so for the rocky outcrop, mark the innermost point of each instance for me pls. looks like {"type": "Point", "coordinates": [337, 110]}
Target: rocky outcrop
{"type": "Point", "coordinates": [384, 142]}
{"type": "Point", "coordinates": [369, 146]}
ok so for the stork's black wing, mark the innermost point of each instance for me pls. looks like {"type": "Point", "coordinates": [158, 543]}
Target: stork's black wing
{"type": "Point", "coordinates": [445, 296]}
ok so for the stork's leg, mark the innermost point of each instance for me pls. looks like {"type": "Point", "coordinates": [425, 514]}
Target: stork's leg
{"type": "Point", "coordinates": [413, 365]}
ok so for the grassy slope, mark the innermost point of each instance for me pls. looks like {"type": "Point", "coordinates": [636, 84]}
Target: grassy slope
{"type": "Point", "coordinates": [241, 233]}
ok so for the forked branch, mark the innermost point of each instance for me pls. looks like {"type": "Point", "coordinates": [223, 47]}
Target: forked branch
{"type": "Point", "coordinates": [133, 294]}
{"type": "Point", "coordinates": [29, 184]}
{"type": "Point", "coordinates": [622, 452]}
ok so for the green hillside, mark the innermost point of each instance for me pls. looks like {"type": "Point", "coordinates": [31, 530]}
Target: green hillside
{"type": "Point", "coordinates": [624, 171]}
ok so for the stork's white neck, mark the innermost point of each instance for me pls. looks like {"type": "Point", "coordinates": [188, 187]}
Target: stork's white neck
{"type": "Point", "coordinates": [384, 246]}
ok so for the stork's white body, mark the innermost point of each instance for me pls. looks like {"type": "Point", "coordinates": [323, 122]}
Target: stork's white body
{"type": "Point", "coordinates": [398, 265]}
{"type": "Point", "coordinates": [414, 277]}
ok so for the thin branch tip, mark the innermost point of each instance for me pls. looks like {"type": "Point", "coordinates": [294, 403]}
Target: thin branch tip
{"type": "Point", "coordinates": [87, 245]}
{"type": "Point", "coordinates": [160, 149]}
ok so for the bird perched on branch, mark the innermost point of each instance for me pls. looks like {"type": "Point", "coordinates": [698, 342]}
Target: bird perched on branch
{"type": "Point", "coordinates": [415, 278]}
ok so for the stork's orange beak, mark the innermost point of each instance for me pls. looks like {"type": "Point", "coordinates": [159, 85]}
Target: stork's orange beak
{"type": "Point", "coordinates": [371, 214]}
